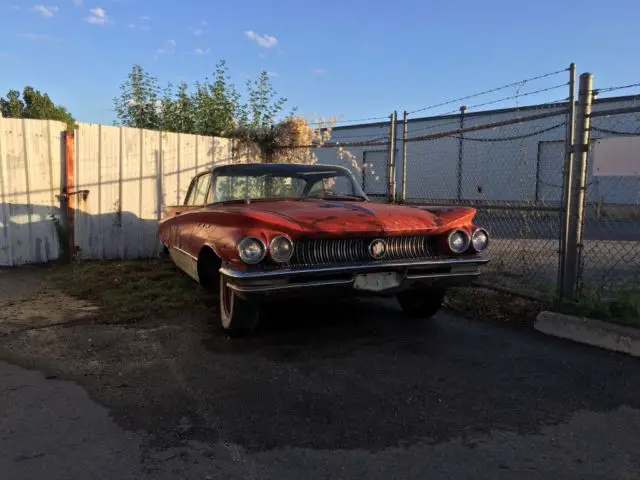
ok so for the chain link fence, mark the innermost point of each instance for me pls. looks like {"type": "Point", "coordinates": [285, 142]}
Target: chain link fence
{"type": "Point", "coordinates": [510, 164]}
{"type": "Point", "coordinates": [510, 167]}
{"type": "Point", "coordinates": [610, 260]}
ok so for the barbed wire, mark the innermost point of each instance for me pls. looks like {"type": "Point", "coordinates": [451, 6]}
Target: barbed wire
{"type": "Point", "coordinates": [613, 132]}
{"type": "Point", "coordinates": [368, 135]}
{"type": "Point", "coordinates": [560, 103]}
{"type": "Point", "coordinates": [354, 120]}
{"type": "Point", "coordinates": [513, 137]}
{"type": "Point", "coordinates": [619, 87]}
{"type": "Point", "coordinates": [526, 94]}
{"type": "Point", "coordinates": [478, 94]}
{"type": "Point", "coordinates": [441, 104]}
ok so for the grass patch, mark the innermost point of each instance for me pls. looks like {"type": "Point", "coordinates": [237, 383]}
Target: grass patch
{"type": "Point", "coordinates": [621, 307]}
{"type": "Point", "coordinates": [133, 291]}
{"type": "Point", "coordinates": [493, 306]}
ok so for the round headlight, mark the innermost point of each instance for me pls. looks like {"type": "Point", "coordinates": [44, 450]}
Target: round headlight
{"type": "Point", "coordinates": [251, 250]}
{"type": "Point", "coordinates": [480, 239]}
{"type": "Point", "coordinates": [281, 249]}
{"type": "Point", "coordinates": [458, 241]}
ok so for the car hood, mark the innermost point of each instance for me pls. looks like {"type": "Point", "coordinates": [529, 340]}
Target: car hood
{"type": "Point", "coordinates": [327, 217]}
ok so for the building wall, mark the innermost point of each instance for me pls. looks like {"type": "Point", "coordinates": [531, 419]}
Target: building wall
{"type": "Point", "coordinates": [520, 170]}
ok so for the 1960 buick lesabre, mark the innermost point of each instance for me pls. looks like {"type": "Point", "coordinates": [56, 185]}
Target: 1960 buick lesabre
{"type": "Point", "coordinates": [259, 232]}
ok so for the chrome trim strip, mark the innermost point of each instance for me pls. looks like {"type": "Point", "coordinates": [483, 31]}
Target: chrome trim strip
{"type": "Point", "coordinates": [183, 252]}
{"type": "Point", "coordinates": [289, 272]}
{"type": "Point", "coordinates": [442, 275]}
{"type": "Point", "coordinates": [274, 288]}
{"type": "Point", "coordinates": [329, 283]}
{"type": "Point", "coordinates": [185, 262]}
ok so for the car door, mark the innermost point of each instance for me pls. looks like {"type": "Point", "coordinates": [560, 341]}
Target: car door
{"type": "Point", "coordinates": [195, 200]}
{"type": "Point", "coordinates": [179, 222]}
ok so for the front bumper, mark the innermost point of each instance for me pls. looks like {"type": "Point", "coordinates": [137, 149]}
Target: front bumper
{"type": "Point", "coordinates": [403, 274]}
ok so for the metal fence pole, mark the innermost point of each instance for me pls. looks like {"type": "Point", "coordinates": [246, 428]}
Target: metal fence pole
{"type": "Point", "coordinates": [563, 292]}
{"type": "Point", "coordinates": [575, 214]}
{"type": "Point", "coordinates": [463, 110]}
{"type": "Point", "coordinates": [391, 171]}
{"type": "Point", "coordinates": [405, 149]}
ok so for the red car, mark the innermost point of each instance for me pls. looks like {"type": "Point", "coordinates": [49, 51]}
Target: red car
{"type": "Point", "coordinates": [261, 231]}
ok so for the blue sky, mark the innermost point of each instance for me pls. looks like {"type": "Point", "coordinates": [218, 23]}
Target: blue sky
{"type": "Point", "coordinates": [350, 58]}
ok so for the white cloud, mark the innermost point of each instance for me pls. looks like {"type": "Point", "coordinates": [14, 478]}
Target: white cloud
{"type": "Point", "coordinates": [318, 71]}
{"type": "Point", "coordinates": [35, 36]}
{"type": "Point", "coordinates": [170, 48]}
{"type": "Point", "coordinates": [265, 41]}
{"type": "Point", "coordinates": [144, 28]}
{"type": "Point", "coordinates": [202, 51]}
{"type": "Point", "coordinates": [45, 11]}
{"type": "Point", "coordinates": [197, 31]}
{"type": "Point", "coordinates": [98, 16]}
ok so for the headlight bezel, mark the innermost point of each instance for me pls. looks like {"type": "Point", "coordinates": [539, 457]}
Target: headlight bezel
{"type": "Point", "coordinates": [244, 242]}
{"type": "Point", "coordinates": [473, 236]}
{"type": "Point", "coordinates": [467, 241]}
{"type": "Point", "coordinates": [271, 248]}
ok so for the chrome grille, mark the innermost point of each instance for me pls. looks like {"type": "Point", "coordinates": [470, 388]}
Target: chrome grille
{"type": "Point", "coordinates": [356, 250]}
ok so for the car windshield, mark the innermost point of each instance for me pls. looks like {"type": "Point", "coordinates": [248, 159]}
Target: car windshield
{"type": "Point", "coordinates": [287, 183]}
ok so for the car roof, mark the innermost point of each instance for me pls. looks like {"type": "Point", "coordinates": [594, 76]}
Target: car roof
{"type": "Point", "coordinates": [276, 168]}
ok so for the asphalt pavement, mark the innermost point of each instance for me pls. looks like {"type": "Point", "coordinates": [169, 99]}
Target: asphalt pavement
{"type": "Point", "coordinates": [331, 390]}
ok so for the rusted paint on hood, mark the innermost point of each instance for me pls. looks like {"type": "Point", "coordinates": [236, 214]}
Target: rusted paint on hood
{"type": "Point", "coordinates": [320, 217]}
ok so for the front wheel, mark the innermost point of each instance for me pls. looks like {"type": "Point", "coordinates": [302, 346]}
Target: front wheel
{"type": "Point", "coordinates": [239, 317]}
{"type": "Point", "coordinates": [421, 303]}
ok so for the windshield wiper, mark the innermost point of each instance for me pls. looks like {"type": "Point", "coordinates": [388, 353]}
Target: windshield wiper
{"type": "Point", "coordinates": [336, 196]}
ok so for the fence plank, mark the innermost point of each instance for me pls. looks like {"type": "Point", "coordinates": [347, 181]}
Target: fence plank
{"type": "Point", "coordinates": [30, 159]}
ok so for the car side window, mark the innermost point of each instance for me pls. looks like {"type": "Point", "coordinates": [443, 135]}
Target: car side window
{"type": "Point", "coordinates": [198, 191]}
{"type": "Point", "coordinates": [190, 193]}
{"type": "Point", "coordinates": [202, 187]}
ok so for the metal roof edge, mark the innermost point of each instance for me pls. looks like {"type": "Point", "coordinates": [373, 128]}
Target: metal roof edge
{"type": "Point", "coordinates": [486, 112]}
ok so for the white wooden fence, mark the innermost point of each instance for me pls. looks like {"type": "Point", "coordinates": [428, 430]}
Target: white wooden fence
{"type": "Point", "coordinates": [130, 175]}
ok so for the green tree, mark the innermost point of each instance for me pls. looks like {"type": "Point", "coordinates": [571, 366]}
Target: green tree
{"type": "Point", "coordinates": [184, 112]}
{"type": "Point", "coordinates": [34, 105]}
{"type": "Point", "coordinates": [139, 103]}
{"type": "Point", "coordinates": [216, 104]}
{"type": "Point", "coordinates": [213, 108]}
{"type": "Point", "coordinates": [263, 105]}
{"type": "Point", "coordinates": [12, 106]}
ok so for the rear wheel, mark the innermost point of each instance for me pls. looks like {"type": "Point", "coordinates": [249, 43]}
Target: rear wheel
{"type": "Point", "coordinates": [423, 302]}
{"type": "Point", "coordinates": [239, 317]}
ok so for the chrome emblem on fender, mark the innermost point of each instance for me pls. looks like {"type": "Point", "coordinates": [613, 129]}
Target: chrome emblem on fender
{"type": "Point", "coordinates": [377, 248]}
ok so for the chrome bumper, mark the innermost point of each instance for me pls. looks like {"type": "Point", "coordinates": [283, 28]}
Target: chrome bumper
{"type": "Point", "coordinates": [442, 270]}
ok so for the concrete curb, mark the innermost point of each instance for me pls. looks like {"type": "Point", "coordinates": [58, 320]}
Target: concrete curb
{"type": "Point", "coordinates": [591, 332]}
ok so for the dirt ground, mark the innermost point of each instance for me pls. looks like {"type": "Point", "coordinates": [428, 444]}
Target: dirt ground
{"type": "Point", "coordinates": [328, 389]}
